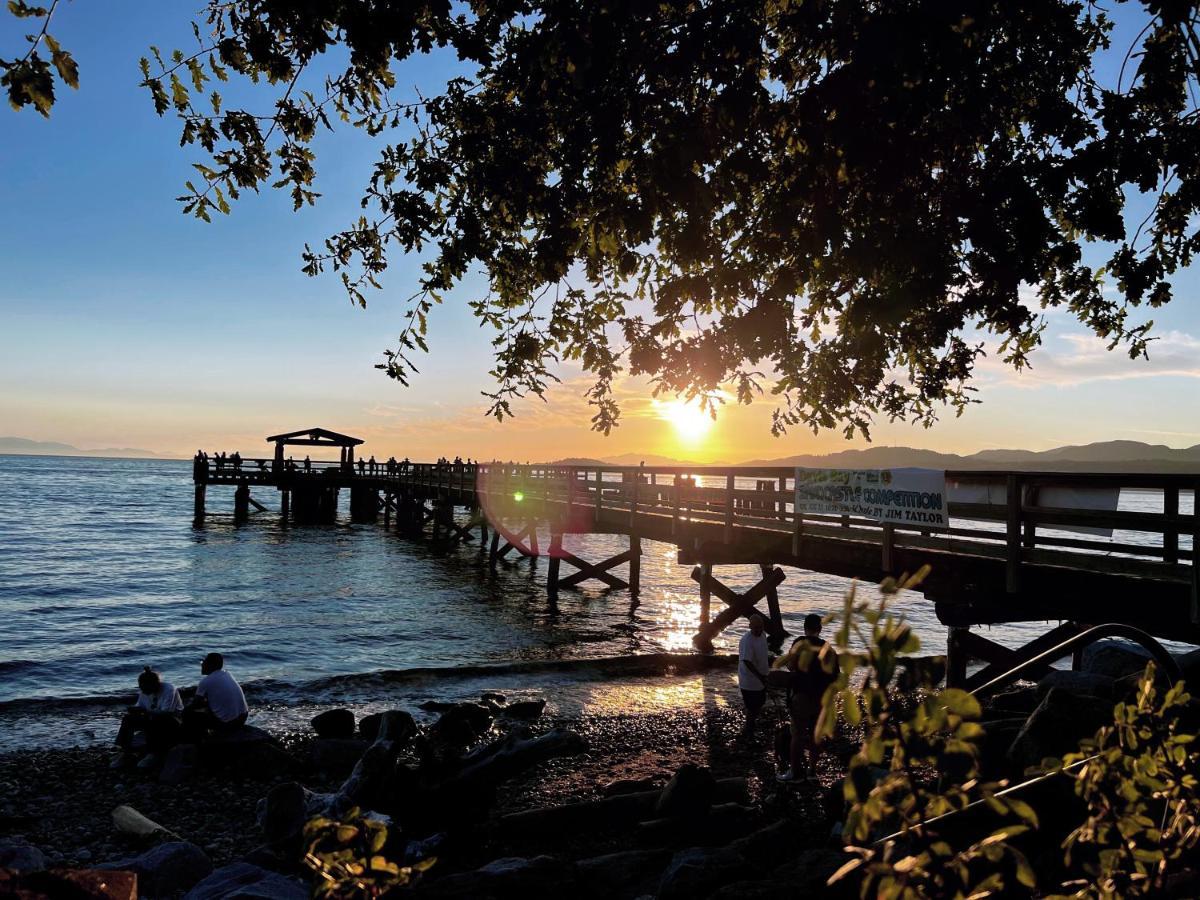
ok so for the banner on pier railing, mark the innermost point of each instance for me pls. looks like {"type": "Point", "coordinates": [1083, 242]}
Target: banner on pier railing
{"type": "Point", "coordinates": [899, 496]}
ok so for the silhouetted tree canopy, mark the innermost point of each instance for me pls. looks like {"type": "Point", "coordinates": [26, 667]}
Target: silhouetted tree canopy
{"type": "Point", "coordinates": [835, 200]}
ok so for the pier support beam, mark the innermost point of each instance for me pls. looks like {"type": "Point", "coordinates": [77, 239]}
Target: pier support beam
{"type": "Point", "coordinates": [198, 511]}
{"type": "Point", "coordinates": [241, 503]}
{"type": "Point", "coordinates": [737, 605]}
{"type": "Point", "coordinates": [285, 506]}
{"type": "Point", "coordinates": [364, 504]}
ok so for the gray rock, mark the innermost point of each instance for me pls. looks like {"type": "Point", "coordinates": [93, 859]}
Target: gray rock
{"type": "Point", "coordinates": [167, 869]}
{"type": "Point", "coordinates": [492, 697]}
{"type": "Point", "coordinates": [1090, 683]}
{"type": "Point", "coordinates": [246, 880]}
{"type": "Point", "coordinates": [690, 792]}
{"type": "Point", "coordinates": [1018, 701]}
{"type": "Point", "coordinates": [1114, 658]}
{"type": "Point", "coordinates": [767, 845]}
{"type": "Point", "coordinates": [462, 723]}
{"type": "Point", "coordinates": [368, 726]}
{"type": "Point", "coordinates": [698, 871]}
{"type": "Point", "coordinates": [334, 723]}
{"type": "Point", "coordinates": [800, 878]}
{"type": "Point", "coordinates": [1055, 728]}
{"type": "Point", "coordinates": [336, 755]}
{"type": "Point", "coordinates": [525, 709]}
{"type": "Point", "coordinates": [397, 725]}
{"type": "Point", "coordinates": [514, 876]}
{"type": "Point", "coordinates": [618, 871]}
{"type": "Point", "coordinates": [283, 812]}
{"type": "Point", "coordinates": [21, 856]}
{"type": "Point", "coordinates": [179, 764]}
{"type": "Point", "coordinates": [1189, 667]}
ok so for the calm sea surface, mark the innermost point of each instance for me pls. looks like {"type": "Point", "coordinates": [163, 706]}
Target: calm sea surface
{"type": "Point", "coordinates": [101, 573]}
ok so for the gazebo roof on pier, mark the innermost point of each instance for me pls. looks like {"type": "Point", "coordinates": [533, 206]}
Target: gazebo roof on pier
{"type": "Point", "coordinates": [315, 437]}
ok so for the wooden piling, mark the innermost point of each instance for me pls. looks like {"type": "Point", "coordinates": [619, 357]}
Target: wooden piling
{"type": "Point", "coordinates": [198, 511]}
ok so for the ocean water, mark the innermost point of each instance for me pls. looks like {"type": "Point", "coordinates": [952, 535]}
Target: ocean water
{"type": "Point", "coordinates": [101, 573]}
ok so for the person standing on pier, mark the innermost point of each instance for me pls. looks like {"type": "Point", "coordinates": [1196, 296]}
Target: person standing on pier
{"type": "Point", "coordinates": [753, 663]}
{"type": "Point", "coordinates": [219, 705]}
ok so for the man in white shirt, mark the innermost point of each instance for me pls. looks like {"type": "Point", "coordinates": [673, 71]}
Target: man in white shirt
{"type": "Point", "coordinates": [753, 664]}
{"type": "Point", "coordinates": [219, 705]}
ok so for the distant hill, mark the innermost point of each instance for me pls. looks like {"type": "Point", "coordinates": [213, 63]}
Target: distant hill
{"type": "Point", "coordinates": [1107, 456]}
{"type": "Point", "coordinates": [1111, 456]}
{"type": "Point", "coordinates": [26, 447]}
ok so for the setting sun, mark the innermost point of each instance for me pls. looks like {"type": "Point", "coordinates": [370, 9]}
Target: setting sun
{"type": "Point", "coordinates": [691, 423]}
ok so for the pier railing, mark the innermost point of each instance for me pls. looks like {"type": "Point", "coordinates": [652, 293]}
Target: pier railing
{"type": "Point", "coordinates": [1156, 542]}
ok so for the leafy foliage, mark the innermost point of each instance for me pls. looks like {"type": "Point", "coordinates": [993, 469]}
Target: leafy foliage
{"type": "Point", "coordinates": [914, 767]}
{"type": "Point", "coordinates": [1140, 778]}
{"type": "Point", "coordinates": [822, 197]}
{"type": "Point", "coordinates": [29, 79]}
{"type": "Point", "coordinates": [347, 856]}
{"type": "Point", "coordinates": [819, 199]}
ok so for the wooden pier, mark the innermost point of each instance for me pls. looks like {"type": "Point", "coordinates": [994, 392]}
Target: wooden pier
{"type": "Point", "coordinates": [995, 564]}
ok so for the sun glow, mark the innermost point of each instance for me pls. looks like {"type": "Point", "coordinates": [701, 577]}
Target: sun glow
{"type": "Point", "coordinates": [691, 423]}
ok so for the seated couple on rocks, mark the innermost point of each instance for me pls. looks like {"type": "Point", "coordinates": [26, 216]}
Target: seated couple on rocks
{"type": "Point", "coordinates": [160, 717]}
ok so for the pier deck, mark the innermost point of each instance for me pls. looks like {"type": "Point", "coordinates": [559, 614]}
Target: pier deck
{"type": "Point", "coordinates": [998, 562]}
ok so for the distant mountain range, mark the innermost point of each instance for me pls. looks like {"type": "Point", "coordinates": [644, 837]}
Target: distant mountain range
{"type": "Point", "coordinates": [26, 447]}
{"type": "Point", "coordinates": [1108, 456]}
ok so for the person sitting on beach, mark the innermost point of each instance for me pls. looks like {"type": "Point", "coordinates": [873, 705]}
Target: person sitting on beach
{"type": "Point", "coordinates": [753, 664]}
{"type": "Point", "coordinates": [812, 665]}
{"type": "Point", "coordinates": [155, 714]}
{"type": "Point", "coordinates": [219, 706]}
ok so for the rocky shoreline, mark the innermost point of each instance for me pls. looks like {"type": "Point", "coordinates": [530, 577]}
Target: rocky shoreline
{"type": "Point", "coordinates": [61, 801]}
{"type": "Point", "coordinates": [511, 800]}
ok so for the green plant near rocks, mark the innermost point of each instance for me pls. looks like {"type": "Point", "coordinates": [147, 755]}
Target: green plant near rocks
{"type": "Point", "coordinates": [1140, 779]}
{"type": "Point", "coordinates": [347, 856]}
{"type": "Point", "coordinates": [916, 764]}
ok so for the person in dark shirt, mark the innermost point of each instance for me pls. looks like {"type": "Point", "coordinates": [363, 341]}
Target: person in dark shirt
{"type": "Point", "coordinates": [812, 665]}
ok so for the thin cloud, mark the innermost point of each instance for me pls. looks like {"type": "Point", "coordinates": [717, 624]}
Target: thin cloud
{"type": "Point", "coordinates": [1068, 360]}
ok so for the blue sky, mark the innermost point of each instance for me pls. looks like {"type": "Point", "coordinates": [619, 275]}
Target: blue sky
{"type": "Point", "coordinates": [125, 323]}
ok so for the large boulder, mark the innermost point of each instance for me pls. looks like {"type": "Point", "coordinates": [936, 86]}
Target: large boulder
{"type": "Point", "coordinates": [1055, 728]}
{"type": "Point", "coordinates": [1114, 658]}
{"type": "Point", "coordinates": [689, 793]}
{"type": "Point", "coordinates": [248, 749]}
{"type": "Point", "coordinates": [698, 871]}
{"type": "Point", "coordinates": [243, 881]}
{"type": "Point", "coordinates": [166, 870]}
{"type": "Point", "coordinates": [18, 855]}
{"type": "Point", "coordinates": [334, 723]}
{"type": "Point", "coordinates": [1091, 683]}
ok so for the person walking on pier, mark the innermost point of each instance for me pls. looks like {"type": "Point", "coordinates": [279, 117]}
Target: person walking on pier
{"type": "Point", "coordinates": [753, 663]}
{"type": "Point", "coordinates": [155, 713]}
{"type": "Point", "coordinates": [219, 706]}
{"type": "Point", "coordinates": [812, 665]}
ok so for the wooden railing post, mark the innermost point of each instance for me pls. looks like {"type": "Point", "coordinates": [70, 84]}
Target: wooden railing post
{"type": "Point", "coordinates": [1013, 536]}
{"type": "Point", "coordinates": [676, 490]}
{"type": "Point", "coordinates": [1171, 527]}
{"type": "Point", "coordinates": [599, 492]}
{"type": "Point", "coordinates": [888, 540]}
{"type": "Point", "coordinates": [1196, 552]}
{"type": "Point", "coordinates": [729, 488]}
